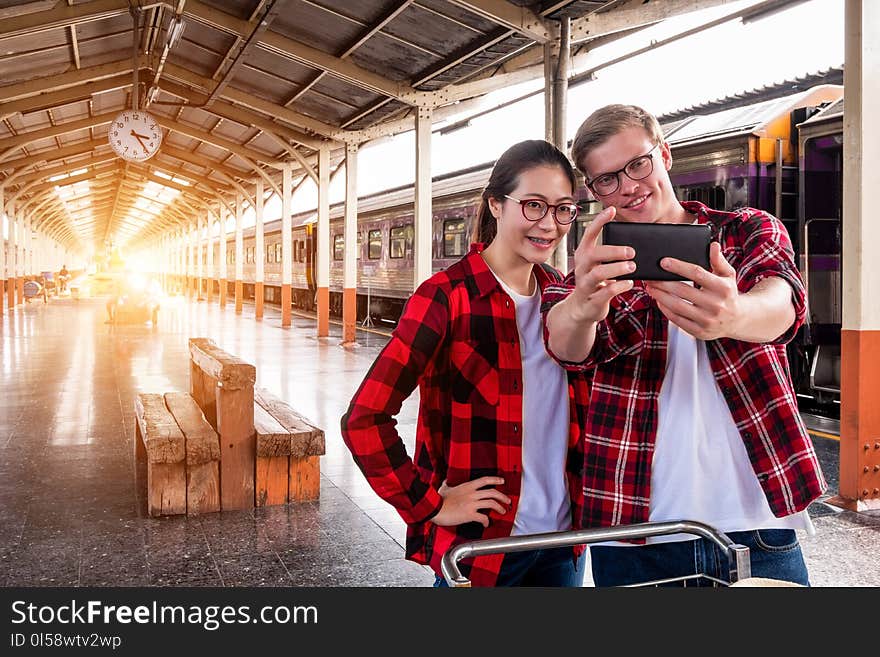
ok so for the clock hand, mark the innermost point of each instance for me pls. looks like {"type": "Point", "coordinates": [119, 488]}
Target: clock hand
{"type": "Point", "coordinates": [140, 138]}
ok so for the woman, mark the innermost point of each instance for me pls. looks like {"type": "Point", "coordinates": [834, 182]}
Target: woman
{"type": "Point", "coordinates": [497, 421]}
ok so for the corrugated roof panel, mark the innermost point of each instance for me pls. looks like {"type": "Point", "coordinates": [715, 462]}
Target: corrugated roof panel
{"type": "Point", "coordinates": [738, 119]}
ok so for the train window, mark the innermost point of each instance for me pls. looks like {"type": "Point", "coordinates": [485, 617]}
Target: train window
{"type": "Point", "coordinates": [454, 238]}
{"type": "Point", "coordinates": [401, 241]}
{"type": "Point", "coordinates": [360, 245]}
{"type": "Point", "coordinates": [374, 244]}
{"type": "Point", "coordinates": [270, 253]}
{"type": "Point", "coordinates": [277, 251]}
{"type": "Point", "coordinates": [714, 197]}
{"type": "Point", "coordinates": [338, 247]}
{"type": "Point", "coordinates": [302, 251]}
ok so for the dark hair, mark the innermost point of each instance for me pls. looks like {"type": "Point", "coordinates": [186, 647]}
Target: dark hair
{"type": "Point", "coordinates": [606, 122]}
{"type": "Point", "coordinates": [505, 177]}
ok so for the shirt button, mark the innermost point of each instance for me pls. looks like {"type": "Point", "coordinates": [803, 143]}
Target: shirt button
{"type": "Point", "coordinates": [747, 435]}
{"type": "Point", "coordinates": [507, 304]}
{"type": "Point", "coordinates": [515, 384]}
{"type": "Point", "coordinates": [515, 428]}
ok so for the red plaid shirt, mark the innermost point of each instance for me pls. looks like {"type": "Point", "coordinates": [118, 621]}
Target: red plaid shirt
{"type": "Point", "coordinates": [458, 341]}
{"type": "Point", "coordinates": [629, 363]}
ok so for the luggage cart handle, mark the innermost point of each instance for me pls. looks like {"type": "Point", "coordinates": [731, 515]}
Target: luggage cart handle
{"type": "Point", "coordinates": [737, 555]}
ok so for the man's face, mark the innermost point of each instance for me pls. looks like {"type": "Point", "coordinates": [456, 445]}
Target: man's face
{"type": "Point", "coordinates": [649, 199]}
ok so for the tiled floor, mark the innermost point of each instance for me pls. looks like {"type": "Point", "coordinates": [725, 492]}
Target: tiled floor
{"type": "Point", "coordinates": [68, 509]}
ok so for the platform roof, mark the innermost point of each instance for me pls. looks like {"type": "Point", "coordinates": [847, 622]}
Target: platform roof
{"type": "Point", "coordinates": [242, 86]}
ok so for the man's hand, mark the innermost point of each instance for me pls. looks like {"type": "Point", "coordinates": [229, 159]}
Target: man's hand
{"type": "Point", "coordinates": [463, 503]}
{"type": "Point", "coordinates": [712, 307]}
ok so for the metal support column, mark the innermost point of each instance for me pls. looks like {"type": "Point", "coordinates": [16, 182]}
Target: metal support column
{"type": "Point", "coordinates": [422, 261]}
{"type": "Point", "coordinates": [286, 242]}
{"type": "Point", "coordinates": [322, 249]}
{"type": "Point", "coordinates": [259, 251]}
{"type": "Point", "coordinates": [212, 274]}
{"type": "Point", "coordinates": [350, 274]}
{"type": "Point", "coordinates": [559, 259]}
{"type": "Point", "coordinates": [239, 254]}
{"type": "Point", "coordinates": [223, 257]}
{"type": "Point", "coordinates": [200, 272]}
{"type": "Point", "coordinates": [860, 334]}
{"type": "Point", "coordinates": [3, 247]}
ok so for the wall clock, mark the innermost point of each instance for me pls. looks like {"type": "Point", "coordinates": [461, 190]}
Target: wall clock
{"type": "Point", "coordinates": [135, 135]}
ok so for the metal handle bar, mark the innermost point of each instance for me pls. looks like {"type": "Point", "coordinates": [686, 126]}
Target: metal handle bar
{"type": "Point", "coordinates": [737, 555]}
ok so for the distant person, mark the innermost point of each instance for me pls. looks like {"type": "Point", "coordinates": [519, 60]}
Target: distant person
{"type": "Point", "coordinates": [692, 413]}
{"type": "Point", "coordinates": [117, 292]}
{"type": "Point", "coordinates": [496, 423]}
{"type": "Point", "coordinates": [63, 277]}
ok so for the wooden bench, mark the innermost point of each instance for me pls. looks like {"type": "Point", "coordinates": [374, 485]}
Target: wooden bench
{"type": "Point", "coordinates": [223, 387]}
{"type": "Point", "coordinates": [288, 451]}
{"type": "Point", "coordinates": [180, 452]}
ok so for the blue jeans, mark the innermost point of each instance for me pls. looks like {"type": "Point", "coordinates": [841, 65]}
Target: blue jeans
{"type": "Point", "coordinates": [552, 567]}
{"type": "Point", "coordinates": [774, 553]}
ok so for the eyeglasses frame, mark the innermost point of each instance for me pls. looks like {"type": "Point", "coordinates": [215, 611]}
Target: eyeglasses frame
{"type": "Point", "coordinates": [617, 173]}
{"type": "Point", "coordinates": [550, 207]}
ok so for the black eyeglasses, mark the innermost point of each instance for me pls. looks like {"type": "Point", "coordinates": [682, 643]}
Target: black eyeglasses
{"type": "Point", "coordinates": [638, 168]}
{"type": "Point", "coordinates": [534, 209]}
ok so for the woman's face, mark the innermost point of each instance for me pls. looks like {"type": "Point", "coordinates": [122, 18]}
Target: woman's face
{"type": "Point", "coordinates": [534, 241]}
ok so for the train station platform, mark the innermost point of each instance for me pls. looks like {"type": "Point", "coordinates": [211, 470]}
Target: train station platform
{"type": "Point", "coordinates": [69, 511]}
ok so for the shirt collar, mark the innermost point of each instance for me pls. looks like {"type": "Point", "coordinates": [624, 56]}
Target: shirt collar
{"type": "Point", "coordinates": [483, 281]}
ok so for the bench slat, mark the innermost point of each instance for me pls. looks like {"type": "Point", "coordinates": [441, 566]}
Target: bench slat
{"type": "Point", "coordinates": [202, 444]}
{"type": "Point", "coordinates": [272, 438]}
{"type": "Point", "coordinates": [162, 437]}
{"type": "Point", "coordinates": [202, 454]}
{"type": "Point", "coordinates": [306, 439]}
{"type": "Point", "coordinates": [160, 446]}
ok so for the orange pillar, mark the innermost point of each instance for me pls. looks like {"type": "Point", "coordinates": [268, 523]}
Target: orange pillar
{"type": "Point", "coordinates": [258, 300]}
{"type": "Point", "coordinates": [210, 284]}
{"type": "Point", "coordinates": [285, 305]}
{"type": "Point", "coordinates": [323, 312]}
{"type": "Point", "coordinates": [860, 269]}
{"type": "Point", "coordinates": [222, 292]}
{"type": "Point", "coordinates": [2, 287]}
{"type": "Point", "coordinates": [21, 290]}
{"type": "Point", "coordinates": [349, 315]}
{"type": "Point", "coordinates": [239, 295]}
{"type": "Point", "coordinates": [10, 292]}
{"type": "Point", "coordinates": [859, 421]}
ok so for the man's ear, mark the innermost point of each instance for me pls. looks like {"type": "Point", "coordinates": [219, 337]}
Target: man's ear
{"type": "Point", "coordinates": [666, 154]}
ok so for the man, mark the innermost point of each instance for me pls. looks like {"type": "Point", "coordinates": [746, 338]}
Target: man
{"type": "Point", "coordinates": [692, 414]}
{"type": "Point", "coordinates": [63, 277]}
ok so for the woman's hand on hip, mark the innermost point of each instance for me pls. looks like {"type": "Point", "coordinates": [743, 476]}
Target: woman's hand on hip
{"type": "Point", "coordinates": [467, 502]}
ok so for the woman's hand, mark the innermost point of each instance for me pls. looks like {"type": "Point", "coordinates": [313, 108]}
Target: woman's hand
{"type": "Point", "coordinates": [463, 503]}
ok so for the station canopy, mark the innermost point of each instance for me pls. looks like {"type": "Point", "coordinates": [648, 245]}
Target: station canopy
{"type": "Point", "coordinates": [240, 87]}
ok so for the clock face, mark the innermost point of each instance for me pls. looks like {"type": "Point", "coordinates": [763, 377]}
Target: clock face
{"type": "Point", "coordinates": [135, 135]}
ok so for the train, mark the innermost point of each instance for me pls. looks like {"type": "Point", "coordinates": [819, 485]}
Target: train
{"type": "Point", "coordinates": [783, 155]}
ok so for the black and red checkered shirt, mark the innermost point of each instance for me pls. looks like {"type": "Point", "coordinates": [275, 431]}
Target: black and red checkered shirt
{"type": "Point", "coordinates": [458, 342]}
{"type": "Point", "coordinates": [628, 361]}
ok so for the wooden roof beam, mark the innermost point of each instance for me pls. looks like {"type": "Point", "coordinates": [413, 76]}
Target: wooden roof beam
{"type": "Point", "coordinates": [521, 20]}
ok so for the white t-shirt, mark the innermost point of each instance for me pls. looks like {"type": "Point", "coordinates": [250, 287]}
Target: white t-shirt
{"type": "Point", "coordinates": [544, 504]}
{"type": "Point", "coordinates": [701, 470]}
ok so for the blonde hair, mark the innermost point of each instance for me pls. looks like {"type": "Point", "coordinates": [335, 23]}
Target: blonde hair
{"type": "Point", "coordinates": [606, 122]}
